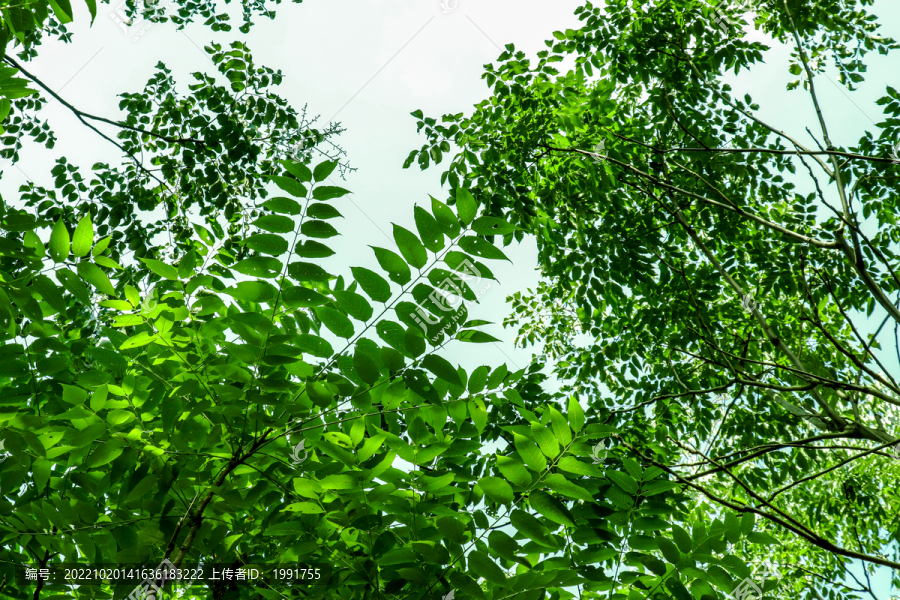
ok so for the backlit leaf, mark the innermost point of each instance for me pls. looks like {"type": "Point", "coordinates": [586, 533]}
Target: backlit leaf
{"type": "Point", "coordinates": [83, 238]}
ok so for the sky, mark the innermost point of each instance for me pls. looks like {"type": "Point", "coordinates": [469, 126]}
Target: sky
{"type": "Point", "coordinates": [367, 64]}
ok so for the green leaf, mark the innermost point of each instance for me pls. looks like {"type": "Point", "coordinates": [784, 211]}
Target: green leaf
{"type": "Point", "coordinates": [355, 305]}
{"type": "Point", "coordinates": [339, 481]}
{"type": "Point", "coordinates": [99, 397]}
{"type": "Point", "coordinates": [73, 395]}
{"type": "Point", "coordinates": [462, 263]}
{"type": "Point", "coordinates": [267, 243]}
{"type": "Point", "coordinates": [298, 170]}
{"type": "Point", "coordinates": [679, 592]}
{"type": "Point", "coordinates": [633, 468]}
{"type": "Point", "coordinates": [105, 454]}
{"type": "Point", "coordinates": [466, 584]}
{"type": "Point", "coordinates": [291, 528]}
{"type": "Point", "coordinates": [323, 211]}
{"type": "Point", "coordinates": [514, 471]}
{"type": "Point", "coordinates": [291, 186]}
{"type": "Point", "coordinates": [318, 229]}
{"type": "Point", "coordinates": [650, 524]}
{"type": "Point", "coordinates": [429, 230]}
{"type": "Point", "coordinates": [74, 285]}
{"type": "Point", "coordinates": [83, 238]}
{"type": "Point", "coordinates": [573, 465]}
{"type": "Point", "coordinates": [304, 271]}
{"type": "Point", "coordinates": [410, 247]}
{"type": "Point", "coordinates": [546, 442]}
{"type": "Point", "coordinates": [314, 345]}
{"type": "Point", "coordinates": [7, 315]}
{"type": "Point", "coordinates": [107, 262]}
{"type": "Point", "coordinates": [40, 468]}
{"type": "Point", "coordinates": [396, 267]}
{"type": "Point", "coordinates": [481, 248]}
{"type": "Point", "coordinates": [551, 508]}
{"type": "Point", "coordinates": [478, 412]}
{"type": "Point", "coordinates": [668, 549]}
{"type": "Point", "coordinates": [735, 565]}
{"type": "Point", "coordinates": [259, 266]}
{"type": "Point", "coordinates": [560, 427]}
{"type": "Point", "coordinates": [328, 192]}
{"type": "Point", "coordinates": [473, 336]}
{"type": "Point", "coordinates": [312, 249]}
{"type": "Point", "coordinates": [498, 375]}
{"type": "Point", "coordinates": [31, 240]}
{"type": "Point", "coordinates": [142, 488]}
{"type": "Point", "coordinates": [301, 297]}
{"type": "Point", "coordinates": [50, 293]}
{"type": "Point", "coordinates": [442, 368]}
{"type": "Point", "coordinates": [101, 246]}
{"type": "Point", "coordinates": [324, 169]}
{"type": "Point", "coordinates": [204, 234]}
{"type": "Point", "coordinates": [136, 341]}
{"type": "Point", "coordinates": [747, 521]}
{"type": "Point", "coordinates": [466, 205]}
{"type": "Point", "coordinates": [576, 414]}
{"type": "Point", "coordinates": [63, 10]}
{"type": "Point", "coordinates": [96, 277]}
{"type": "Point", "coordinates": [623, 481]}
{"type": "Point", "coordinates": [477, 380]}
{"type": "Point", "coordinates": [560, 484]}
{"type": "Point", "coordinates": [253, 291]}
{"type": "Point", "coordinates": [119, 417]}
{"type": "Point", "coordinates": [492, 226]}
{"type": "Point", "coordinates": [59, 242]}
{"type": "Point", "coordinates": [335, 321]}
{"type": "Point", "coordinates": [482, 565]}
{"type": "Point", "coordinates": [286, 206]}
{"type": "Point", "coordinates": [761, 537]}
{"type": "Point", "coordinates": [497, 490]}
{"type": "Point", "coordinates": [682, 538]}
{"type": "Point", "coordinates": [372, 284]}
{"type": "Point", "coordinates": [160, 268]}
{"type": "Point", "coordinates": [446, 219]}
{"type": "Point", "coordinates": [365, 366]}
{"type": "Point", "coordinates": [530, 453]}
{"type": "Point", "coordinates": [451, 529]}
{"type": "Point", "coordinates": [274, 223]}
{"type": "Point", "coordinates": [418, 381]}
{"type": "Point", "coordinates": [530, 527]}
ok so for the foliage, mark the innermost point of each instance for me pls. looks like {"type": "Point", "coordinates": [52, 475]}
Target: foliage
{"type": "Point", "coordinates": [714, 286]}
{"type": "Point", "coordinates": [189, 371]}
{"type": "Point", "coordinates": [169, 422]}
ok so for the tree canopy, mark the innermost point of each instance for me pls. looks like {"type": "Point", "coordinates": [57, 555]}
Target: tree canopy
{"type": "Point", "coordinates": [182, 379]}
{"type": "Point", "coordinates": [710, 275]}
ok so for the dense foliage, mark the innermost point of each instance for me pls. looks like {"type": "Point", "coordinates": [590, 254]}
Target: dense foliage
{"type": "Point", "coordinates": [715, 286]}
{"type": "Point", "coordinates": [188, 372]}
